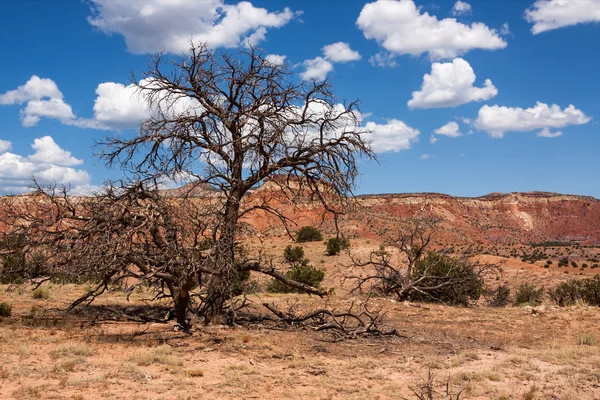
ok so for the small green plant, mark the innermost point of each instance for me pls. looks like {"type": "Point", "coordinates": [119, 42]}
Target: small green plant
{"type": "Point", "coordinates": [566, 293]}
{"type": "Point", "coordinates": [336, 245]}
{"type": "Point", "coordinates": [41, 293]}
{"type": "Point", "coordinates": [500, 296]}
{"type": "Point", "coordinates": [308, 234]}
{"type": "Point", "coordinates": [529, 294]}
{"type": "Point", "coordinates": [5, 309]}
{"type": "Point", "coordinates": [574, 264]}
{"type": "Point", "coordinates": [563, 262]}
{"type": "Point", "coordinates": [293, 254]}
{"type": "Point", "coordinates": [301, 272]}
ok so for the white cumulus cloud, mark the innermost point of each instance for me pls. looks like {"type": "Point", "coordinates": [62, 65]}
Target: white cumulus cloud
{"type": "Point", "coordinates": [451, 129]}
{"type": "Point", "coordinates": [394, 136]}
{"type": "Point", "coordinates": [547, 15]}
{"type": "Point", "coordinates": [5, 146]}
{"type": "Point", "coordinates": [275, 59]}
{"type": "Point", "coordinates": [35, 88]}
{"type": "Point", "coordinates": [48, 152]}
{"type": "Point", "coordinates": [48, 164]}
{"type": "Point", "coordinates": [340, 52]}
{"type": "Point", "coordinates": [450, 85]}
{"type": "Point", "coordinates": [496, 120]}
{"type": "Point", "coordinates": [461, 8]}
{"type": "Point", "coordinates": [42, 99]}
{"type": "Point", "coordinates": [399, 26]}
{"type": "Point", "coordinates": [150, 26]}
{"type": "Point", "coordinates": [316, 68]}
{"type": "Point", "coordinates": [119, 107]}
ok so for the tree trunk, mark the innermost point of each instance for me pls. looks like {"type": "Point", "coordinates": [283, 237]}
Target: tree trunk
{"type": "Point", "coordinates": [221, 288]}
{"type": "Point", "coordinates": [182, 300]}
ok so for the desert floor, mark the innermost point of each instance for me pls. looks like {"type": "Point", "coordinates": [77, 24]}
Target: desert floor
{"type": "Point", "coordinates": [488, 353]}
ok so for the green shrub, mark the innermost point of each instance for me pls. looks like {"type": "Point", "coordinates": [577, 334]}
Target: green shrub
{"type": "Point", "coordinates": [5, 309]}
{"type": "Point", "coordinates": [500, 296]}
{"type": "Point", "coordinates": [293, 254]}
{"type": "Point", "coordinates": [563, 262]}
{"type": "Point", "coordinates": [463, 282]}
{"type": "Point", "coordinates": [309, 234]}
{"type": "Point", "coordinates": [335, 245]}
{"type": "Point", "coordinates": [566, 293]}
{"type": "Point", "coordinates": [301, 272]}
{"type": "Point", "coordinates": [574, 264]}
{"type": "Point", "coordinates": [529, 294]}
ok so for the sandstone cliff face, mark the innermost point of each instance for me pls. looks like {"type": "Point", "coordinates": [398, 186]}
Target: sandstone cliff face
{"type": "Point", "coordinates": [495, 218]}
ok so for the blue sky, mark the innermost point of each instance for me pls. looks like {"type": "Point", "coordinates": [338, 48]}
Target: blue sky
{"type": "Point", "coordinates": [511, 87]}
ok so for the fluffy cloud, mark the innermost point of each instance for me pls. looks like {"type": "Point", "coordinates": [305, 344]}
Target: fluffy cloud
{"type": "Point", "coordinates": [461, 8]}
{"type": "Point", "coordinates": [340, 52]}
{"type": "Point", "coordinates": [157, 25]}
{"type": "Point", "coordinates": [48, 152]}
{"type": "Point", "coordinates": [547, 15]}
{"type": "Point", "coordinates": [48, 164]}
{"type": "Point", "coordinates": [400, 27]}
{"type": "Point", "coordinates": [5, 146]}
{"type": "Point", "coordinates": [451, 129]}
{"type": "Point", "coordinates": [36, 88]}
{"type": "Point", "coordinates": [116, 107]}
{"type": "Point", "coordinates": [119, 107]}
{"type": "Point", "coordinates": [275, 59]}
{"type": "Point", "coordinates": [43, 100]}
{"type": "Point", "coordinates": [450, 85]}
{"type": "Point", "coordinates": [497, 120]}
{"type": "Point", "coordinates": [394, 136]}
{"type": "Point", "coordinates": [318, 67]}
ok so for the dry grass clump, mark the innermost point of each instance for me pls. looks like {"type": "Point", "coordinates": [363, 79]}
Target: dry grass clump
{"type": "Point", "coordinates": [72, 349]}
{"type": "Point", "coordinates": [195, 373]}
{"type": "Point", "coordinates": [586, 340]}
{"type": "Point", "coordinates": [28, 392]}
{"type": "Point", "coordinates": [157, 355]}
{"type": "Point", "coordinates": [41, 293]}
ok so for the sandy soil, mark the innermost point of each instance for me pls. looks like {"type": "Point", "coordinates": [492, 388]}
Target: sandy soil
{"type": "Point", "coordinates": [489, 353]}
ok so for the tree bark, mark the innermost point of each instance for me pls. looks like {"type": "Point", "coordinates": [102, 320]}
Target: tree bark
{"type": "Point", "coordinates": [182, 299]}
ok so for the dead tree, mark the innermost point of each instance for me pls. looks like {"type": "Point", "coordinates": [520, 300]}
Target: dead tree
{"type": "Point", "coordinates": [127, 235]}
{"type": "Point", "coordinates": [229, 120]}
{"type": "Point", "coordinates": [406, 268]}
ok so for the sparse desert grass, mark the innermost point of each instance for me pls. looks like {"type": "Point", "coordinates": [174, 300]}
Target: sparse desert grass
{"type": "Point", "coordinates": [41, 293]}
{"type": "Point", "coordinates": [195, 373]}
{"type": "Point", "coordinates": [157, 355]}
{"type": "Point", "coordinates": [496, 351]}
{"type": "Point", "coordinates": [586, 340]}
{"type": "Point", "coordinates": [28, 392]}
{"type": "Point", "coordinates": [72, 349]}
